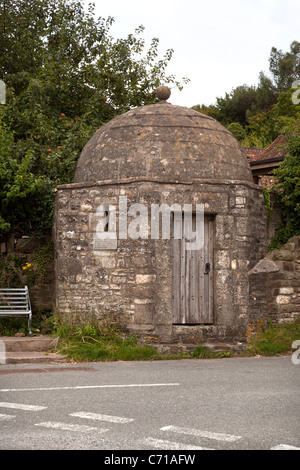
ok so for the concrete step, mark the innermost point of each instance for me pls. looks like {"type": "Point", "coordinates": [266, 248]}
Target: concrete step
{"type": "Point", "coordinates": [32, 343]}
{"type": "Point", "coordinates": [24, 350]}
{"type": "Point", "coordinates": [32, 357]}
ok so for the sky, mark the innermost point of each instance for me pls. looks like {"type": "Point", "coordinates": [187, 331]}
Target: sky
{"type": "Point", "coordinates": [218, 44]}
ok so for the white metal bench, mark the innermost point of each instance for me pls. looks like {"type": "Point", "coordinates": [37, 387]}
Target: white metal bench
{"type": "Point", "coordinates": [15, 303]}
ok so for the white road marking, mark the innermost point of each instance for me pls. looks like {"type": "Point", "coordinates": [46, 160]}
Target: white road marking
{"type": "Point", "coordinates": [69, 427]}
{"type": "Point", "coordinates": [168, 445]}
{"type": "Point", "coordinates": [284, 447]}
{"type": "Point", "coordinates": [199, 433]}
{"type": "Point", "coordinates": [20, 406]}
{"type": "Point", "coordinates": [6, 417]}
{"type": "Point", "coordinates": [80, 387]}
{"type": "Point", "coordinates": [110, 419]}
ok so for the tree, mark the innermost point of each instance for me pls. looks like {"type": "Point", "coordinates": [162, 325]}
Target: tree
{"type": "Point", "coordinates": [285, 66]}
{"type": "Point", "coordinates": [266, 126]}
{"type": "Point", "coordinates": [234, 106]}
{"type": "Point", "coordinates": [288, 186]}
{"type": "Point", "coordinates": [246, 102]}
{"type": "Point", "coordinates": [237, 130]}
{"type": "Point", "coordinates": [65, 76]}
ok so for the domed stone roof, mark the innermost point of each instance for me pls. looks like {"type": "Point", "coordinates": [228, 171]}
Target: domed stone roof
{"type": "Point", "coordinates": [162, 142]}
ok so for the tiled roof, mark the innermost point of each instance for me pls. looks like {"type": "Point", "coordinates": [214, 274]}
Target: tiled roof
{"type": "Point", "coordinates": [275, 151]}
{"type": "Point", "coordinates": [252, 153]}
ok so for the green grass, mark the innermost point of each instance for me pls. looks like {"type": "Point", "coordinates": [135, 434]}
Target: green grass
{"type": "Point", "coordinates": [274, 340]}
{"type": "Point", "coordinates": [100, 340]}
{"type": "Point", "coordinates": [103, 340]}
{"type": "Point", "coordinates": [201, 352]}
{"type": "Point", "coordinates": [92, 349]}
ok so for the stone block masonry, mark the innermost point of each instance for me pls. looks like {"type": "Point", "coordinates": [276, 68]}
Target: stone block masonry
{"type": "Point", "coordinates": [275, 285]}
{"type": "Point", "coordinates": [154, 155]}
{"type": "Point", "coordinates": [133, 280]}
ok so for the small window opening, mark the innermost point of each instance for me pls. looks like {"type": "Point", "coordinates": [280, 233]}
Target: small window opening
{"type": "Point", "coordinates": [106, 216]}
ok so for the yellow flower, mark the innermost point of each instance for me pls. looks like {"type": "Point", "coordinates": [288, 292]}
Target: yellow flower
{"type": "Point", "coordinates": [27, 266]}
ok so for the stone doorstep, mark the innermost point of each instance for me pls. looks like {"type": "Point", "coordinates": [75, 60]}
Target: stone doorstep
{"type": "Point", "coordinates": [226, 347]}
{"type": "Point", "coordinates": [32, 358]}
{"type": "Point", "coordinates": [174, 348]}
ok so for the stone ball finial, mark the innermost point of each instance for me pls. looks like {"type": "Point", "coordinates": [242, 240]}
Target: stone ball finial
{"type": "Point", "coordinates": [163, 93]}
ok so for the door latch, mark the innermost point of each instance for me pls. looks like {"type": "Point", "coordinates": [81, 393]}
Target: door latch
{"type": "Point", "coordinates": [207, 268]}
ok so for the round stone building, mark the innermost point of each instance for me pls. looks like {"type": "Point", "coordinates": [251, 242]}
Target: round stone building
{"type": "Point", "coordinates": [122, 244]}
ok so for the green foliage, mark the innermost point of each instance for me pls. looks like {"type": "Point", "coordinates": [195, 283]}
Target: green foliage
{"type": "Point", "coordinates": [233, 107]}
{"type": "Point", "coordinates": [288, 188]}
{"type": "Point", "coordinates": [65, 76]}
{"type": "Point", "coordinates": [263, 111]}
{"type": "Point", "coordinates": [285, 66]}
{"type": "Point", "coordinates": [256, 116]}
{"type": "Point", "coordinates": [42, 323]}
{"type": "Point", "coordinates": [268, 206]}
{"type": "Point", "coordinates": [17, 182]}
{"type": "Point", "coordinates": [237, 130]}
{"type": "Point", "coordinates": [19, 270]}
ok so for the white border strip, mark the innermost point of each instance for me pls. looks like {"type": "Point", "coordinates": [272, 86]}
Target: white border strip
{"type": "Point", "coordinates": [99, 417]}
{"type": "Point", "coordinates": [168, 445]}
{"type": "Point", "coordinates": [20, 406]}
{"type": "Point", "coordinates": [284, 447]}
{"type": "Point", "coordinates": [199, 433]}
{"type": "Point", "coordinates": [69, 427]}
{"type": "Point", "coordinates": [81, 387]}
{"type": "Point", "coordinates": [6, 417]}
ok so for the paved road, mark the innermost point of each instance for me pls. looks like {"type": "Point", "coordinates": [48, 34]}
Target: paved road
{"type": "Point", "coordinates": [230, 403]}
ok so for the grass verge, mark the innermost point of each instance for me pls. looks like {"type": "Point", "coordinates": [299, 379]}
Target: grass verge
{"type": "Point", "coordinates": [99, 340]}
{"type": "Point", "coordinates": [104, 340]}
{"type": "Point", "coordinates": [274, 340]}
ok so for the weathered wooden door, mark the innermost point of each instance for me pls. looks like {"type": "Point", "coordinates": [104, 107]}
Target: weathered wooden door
{"type": "Point", "coordinates": [193, 279]}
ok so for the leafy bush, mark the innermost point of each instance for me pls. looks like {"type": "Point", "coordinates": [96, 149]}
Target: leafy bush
{"type": "Point", "coordinates": [65, 76]}
{"type": "Point", "coordinates": [288, 188]}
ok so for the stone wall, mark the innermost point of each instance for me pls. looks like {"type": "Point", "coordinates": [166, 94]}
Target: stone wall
{"type": "Point", "coordinates": [275, 286]}
{"type": "Point", "coordinates": [134, 280]}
